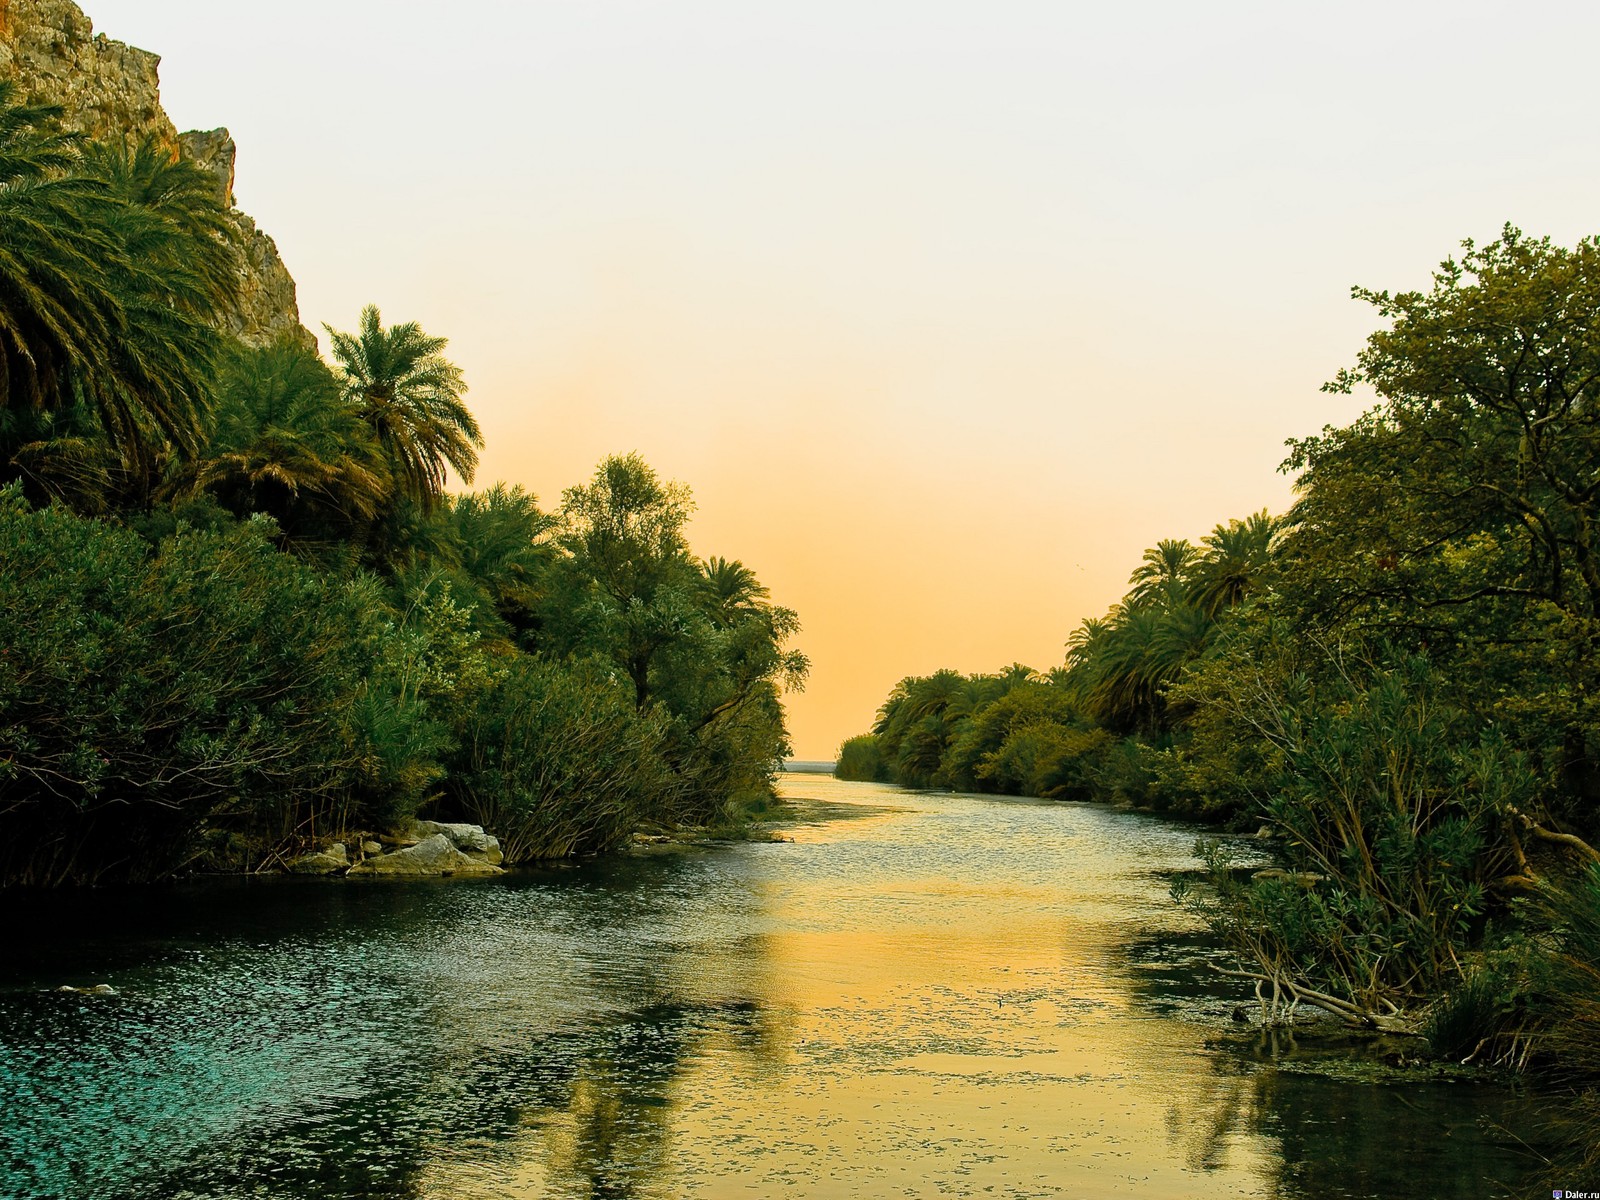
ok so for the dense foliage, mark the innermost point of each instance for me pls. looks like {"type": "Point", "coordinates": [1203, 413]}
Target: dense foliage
{"type": "Point", "coordinates": [1396, 681]}
{"type": "Point", "coordinates": [242, 613]}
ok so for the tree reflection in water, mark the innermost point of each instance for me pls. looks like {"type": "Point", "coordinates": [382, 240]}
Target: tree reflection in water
{"type": "Point", "coordinates": [942, 995]}
{"type": "Point", "coordinates": [1342, 1128]}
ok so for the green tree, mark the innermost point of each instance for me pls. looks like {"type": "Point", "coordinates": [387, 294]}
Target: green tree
{"type": "Point", "coordinates": [1165, 566]}
{"type": "Point", "coordinates": [503, 548]}
{"type": "Point", "coordinates": [630, 562]}
{"type": "Point", "coordinates": [150, 692]}
{"type": "Point", "coordinates": [557, 761]}
{"type": "Point", "coordinates": [175, 277]}
{"type": "Point", "coordinates": [1460, 513]}
{"type": "Point", "coordinates": [58, 312]}
{"type": "Point", "coordinates": [1123, 664]}
{"type": "Point", "coordinates": [410, 395]}
{"type": "Point", "coordinates": [117, 265]}
{"type": "Point", "coordinates": [1233, 564]}
{"type": "Point", "coordinates": [1391, 802]}
{"type": "Point", "coordinates": [286, 443]}
{"type": "Point", "coordinates": [859, 759]}
{"type": "Point", "coordinates": [701, 644]}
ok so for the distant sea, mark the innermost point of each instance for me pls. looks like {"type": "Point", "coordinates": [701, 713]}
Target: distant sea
{"type": "Point", "coordinates": [808, 766]}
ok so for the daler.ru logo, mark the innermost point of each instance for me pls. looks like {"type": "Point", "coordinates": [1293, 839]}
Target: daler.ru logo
{"type": "Point", "coordinates": [1569, 1195]}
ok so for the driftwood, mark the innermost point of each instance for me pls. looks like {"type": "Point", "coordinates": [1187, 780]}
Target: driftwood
{"type": "Point", "coordinates": [1287, 995]}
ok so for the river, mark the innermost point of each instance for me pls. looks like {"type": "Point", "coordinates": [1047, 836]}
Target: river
{"type": "Point", "coordinates": [919, 995]}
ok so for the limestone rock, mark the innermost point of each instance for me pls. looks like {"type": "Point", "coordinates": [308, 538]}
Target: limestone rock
{"type": "Point", "coordinates": [469, 839]}
{"type": "Point", "coordinates": [433, 855]}
{"type": "Point", "coordinates": [213, 151]}
{"type": "Point", "coordinates": [324, 862]}
{"type": "Point", "coordinates": [267, 308]}
{"type": "Point", "coordinates": [369, 848]}
{"type": "Point", "coordinates": [109, 90]}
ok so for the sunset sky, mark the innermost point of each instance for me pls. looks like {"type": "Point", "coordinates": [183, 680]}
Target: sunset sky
{"type": "Point", "coordinates": [943, 311]}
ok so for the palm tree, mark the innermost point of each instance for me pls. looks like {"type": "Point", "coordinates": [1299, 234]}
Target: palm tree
{"type": "Point", "coordinates": [1164, 567]}
{"type": "Point", "coordinates": [1231, 566]}
{"type": "Point", "coordinates": [1085, 641]}
{"type": "Point", "coordinates": [1122, 665]}
{"type": "Point", "coordinates": [62, 455]}
{"type": "Point", "coordinates": [917, 720]}
{"type": "Point", "coordinates": [411, 397]}
{"type": "Point", "coordinates": [58, 313]}
{"type": "Point", "coordinates": [115, 267]}
{"type": "Point", "coordinates": [183, 233]}
{"type": "Point", "coordinates": [500, 544]}
{"type": "Point", "coordinates": [176, 276]}
{"type": "Point", "coordinates": [732, 589]}
{"type": "Point", "coordinates": [286, 443]}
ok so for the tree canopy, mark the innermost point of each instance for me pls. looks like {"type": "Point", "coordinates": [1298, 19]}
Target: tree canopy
{"type": "Point", "coordinates": [410, 395]}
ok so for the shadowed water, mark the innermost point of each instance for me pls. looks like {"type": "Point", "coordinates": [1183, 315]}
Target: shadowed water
{"type": "Point", "coordinates": [921, 995]}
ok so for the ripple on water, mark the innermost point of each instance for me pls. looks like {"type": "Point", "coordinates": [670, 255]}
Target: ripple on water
{"type": "Point", "coordinates": [942, 996]}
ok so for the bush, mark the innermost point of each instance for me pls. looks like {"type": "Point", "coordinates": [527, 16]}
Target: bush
{"type": "Point", "coordinates": [1484, 1016]}
{"type": "Point", "coordinates": [145, 692]}
{"type": "Point", "coordinates": [554, 759]}
{"type": "Point", "coordinates": [1387, 798]}
{"type": "Point", "coordinates": [861, 760]}
{"type": "Point", "coordinates": [1568, 1006]}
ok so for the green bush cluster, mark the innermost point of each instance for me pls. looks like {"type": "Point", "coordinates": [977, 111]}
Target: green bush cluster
{"type": "Point", "coordinates": [148, 689]}
{"type": "Point", "coordinates": [241, 611]}
{"type": "Point", "coordinates": [164, 694]}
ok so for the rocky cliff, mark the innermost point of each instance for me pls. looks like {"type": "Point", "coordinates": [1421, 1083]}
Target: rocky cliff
{"type": "Point", "coordinates": [111, 90]}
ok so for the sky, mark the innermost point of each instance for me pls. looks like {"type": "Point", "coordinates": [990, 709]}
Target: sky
{"type": "Point", "coordinates": [944, 311]}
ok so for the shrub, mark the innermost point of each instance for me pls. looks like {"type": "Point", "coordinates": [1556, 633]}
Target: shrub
{"type": "Point", "coordinates": [145, 692]}
{"type": "Point", "coordinates": [556, 761]}
{"type": "Point", "coordinates": [861, 760]}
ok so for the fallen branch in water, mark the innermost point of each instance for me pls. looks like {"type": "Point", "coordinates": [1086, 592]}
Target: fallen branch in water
{"type": "Point", "coordinates": [1394, 1021]}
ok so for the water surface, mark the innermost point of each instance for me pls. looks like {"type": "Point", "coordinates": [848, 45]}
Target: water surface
{"type": "Point", "coordinates": [919, 995]}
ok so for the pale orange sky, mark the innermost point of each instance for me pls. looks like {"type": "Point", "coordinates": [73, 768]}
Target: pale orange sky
{"type": "Point", "coordinates": [944, 311]}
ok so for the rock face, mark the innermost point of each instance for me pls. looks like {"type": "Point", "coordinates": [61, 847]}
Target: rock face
{"type": "Point", "coordinates": [109, 90]}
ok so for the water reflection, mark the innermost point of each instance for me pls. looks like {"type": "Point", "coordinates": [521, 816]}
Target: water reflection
{"type": "Point", "coordinates": [1338, 1138]}
{"type": "Point", "coordinates": [919, 996]}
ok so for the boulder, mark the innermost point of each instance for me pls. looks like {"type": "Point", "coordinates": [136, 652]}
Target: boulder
{"type": "Point", "coordinates": [369, 848]}
{"type": "Point", "coordinates": [433, 855]}
{"type": "Point", "coordinates": [323, 862]}
{"type": "Point", "coordinates": [469, 839]}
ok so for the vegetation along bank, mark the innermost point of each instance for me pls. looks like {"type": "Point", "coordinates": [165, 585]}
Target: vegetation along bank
{"type": "Point", "coordinates": [1399, 679]}
{"type": "Point", "coordinates": [244, 617]}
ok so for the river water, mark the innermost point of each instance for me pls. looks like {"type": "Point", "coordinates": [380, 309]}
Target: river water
{"type": "Point", "coordinates": [919, 995]}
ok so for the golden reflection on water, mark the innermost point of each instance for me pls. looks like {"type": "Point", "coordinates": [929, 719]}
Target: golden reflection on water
{"type": "Point", "coordinates": [892, 1018]}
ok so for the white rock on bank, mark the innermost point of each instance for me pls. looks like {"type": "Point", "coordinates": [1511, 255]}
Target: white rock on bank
{"type": "Point", "coordinates": [469, 839]}
{"type": "Point", "coordinates": [434, 855]}
{"type": "Point", "coordinates": [323, 862]}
